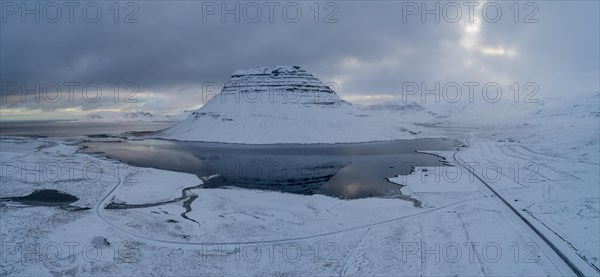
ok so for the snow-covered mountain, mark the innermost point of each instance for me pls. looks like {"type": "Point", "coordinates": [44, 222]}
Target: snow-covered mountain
{"type": "Point", "coordinates": [180, 116]}
{"type": "Point", "coordinates": [406, 111]}
{"type": "Point", "coordinates": [577, 107]}
{"type": "Point", "coordinates": [403, 107]}
{"type": "Point", "coordinates": [282, 104]}
{"type": "Point", "coordinates": [571, 123]}
{"type": "Point", "coordinates": [110, 116]}
{"type": "Point", "coordinates": [462, 112]}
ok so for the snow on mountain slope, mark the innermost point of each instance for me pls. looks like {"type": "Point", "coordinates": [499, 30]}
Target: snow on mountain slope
{"type": "Point", "coordinates": [401, 107]}
{"type": "Point", "coordinates": [282, 104]}
{"type": "Point", "coordinates": [572, 124]}
{"type": "Point", "coordinates": [406, 111]}
{"type": "Point", "coordinates": [180, 116]}
{"type": "Point", "coordinates": [109, 116]}
{"type": "Point", "coordinates": [586, 106]}
{"type": "Point", "coordinates": [461, 112]}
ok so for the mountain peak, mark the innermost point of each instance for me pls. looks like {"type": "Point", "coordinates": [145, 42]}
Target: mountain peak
{"type": "Point", "coordinates": [270, 70]}
{"type": "Point", "coordinates": [281, 84]}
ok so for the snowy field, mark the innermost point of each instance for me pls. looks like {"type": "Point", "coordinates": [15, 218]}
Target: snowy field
{"type": "Point", "coordinates": [546, 167]}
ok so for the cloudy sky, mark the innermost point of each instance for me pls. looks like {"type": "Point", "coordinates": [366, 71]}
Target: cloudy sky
{"type": "Point", "coordinates": [173, 53]}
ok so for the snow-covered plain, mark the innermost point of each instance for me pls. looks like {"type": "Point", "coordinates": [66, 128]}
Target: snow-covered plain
{"type": "Point", "coordinates": [549, 165]}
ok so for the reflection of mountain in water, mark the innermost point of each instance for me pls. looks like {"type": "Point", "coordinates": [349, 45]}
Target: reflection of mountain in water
{"type": "Point", "coordinates": [293, 174]}
{"type": "Point", "coordinates": [341, 170]}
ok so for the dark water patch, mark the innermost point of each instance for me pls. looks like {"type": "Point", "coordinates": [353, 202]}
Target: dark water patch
{"type": "Point", "coordinates": [350, 171]}
{"type": "Point", "coordinates": [442, 159]}
{"type": "Point", "coordinates": [71, 129]}
{"type": "Point", "coordinates": [125, 206]}
{"type": "Point", "coordinates": [45, 197]}
{"type": "Point", "coordinates": [99, 136]}
{"type": "Point", "coordinates": [142, 133]}
{"type": "Point", "coordinates": [186, 196]}
{"type": "Point", "coordinates": [73, 208]}
{"type": "Point", "coordinates": [187, 204]}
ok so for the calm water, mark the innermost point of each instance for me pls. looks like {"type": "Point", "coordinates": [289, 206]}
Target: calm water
{"type": "Point", "coordinates": [45, 197]}
{"type": "Point", "coordinates": [341, 170]}
{"type": "Point", "coordinates": [75, 129]}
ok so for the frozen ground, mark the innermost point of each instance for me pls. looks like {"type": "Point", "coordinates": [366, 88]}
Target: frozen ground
{"type": "Point", "coordinates": [546, 167]}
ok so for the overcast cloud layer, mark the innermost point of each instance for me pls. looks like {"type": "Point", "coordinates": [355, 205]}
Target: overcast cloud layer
{"type": "Point", "coordinates": [175, 50]}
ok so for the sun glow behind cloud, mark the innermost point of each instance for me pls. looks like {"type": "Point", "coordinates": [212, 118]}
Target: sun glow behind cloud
{"type": "Point", "coordinates": [471, 36]}
{"type": "Point", "coordinates": [368, 54]}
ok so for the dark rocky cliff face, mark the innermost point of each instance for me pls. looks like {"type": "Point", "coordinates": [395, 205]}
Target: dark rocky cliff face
{"type": "Point", "coordinates": [281, 84]}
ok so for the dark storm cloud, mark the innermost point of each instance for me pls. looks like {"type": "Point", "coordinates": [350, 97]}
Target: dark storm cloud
{"type": "Point", "coordinates": [175, 48]}
{"type": "Point", "coordinates": [171, 44]}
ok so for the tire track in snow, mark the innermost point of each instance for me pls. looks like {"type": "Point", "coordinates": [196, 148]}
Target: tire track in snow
{"type": "Point", "coordinates": [99, 207]}
{"type": "Point", "coordinates": [560, 254]}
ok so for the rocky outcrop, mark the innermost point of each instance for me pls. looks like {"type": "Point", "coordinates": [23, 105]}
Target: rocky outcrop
{"type": "Point", "coordinates": [284, 84]}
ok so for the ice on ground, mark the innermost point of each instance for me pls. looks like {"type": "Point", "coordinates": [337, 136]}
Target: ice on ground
{"type": "Point", "coordinates": [148, 185]}
{"type": "Point", "coordinates": [436, 179]}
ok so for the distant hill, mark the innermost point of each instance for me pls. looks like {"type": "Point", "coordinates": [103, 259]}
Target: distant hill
{"type": "Point", "coordinates": [109, 116]}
